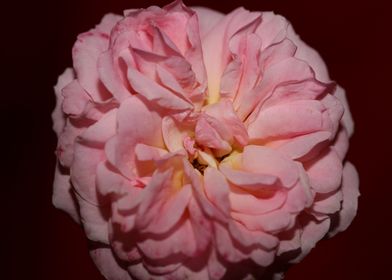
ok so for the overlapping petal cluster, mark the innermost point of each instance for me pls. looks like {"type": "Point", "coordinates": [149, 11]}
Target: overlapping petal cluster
{"type": "Point", "coordinates": [197, 145]}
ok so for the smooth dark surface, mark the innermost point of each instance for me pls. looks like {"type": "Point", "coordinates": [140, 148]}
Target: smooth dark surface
{"type": "Point", "coordinates": [41, 242]}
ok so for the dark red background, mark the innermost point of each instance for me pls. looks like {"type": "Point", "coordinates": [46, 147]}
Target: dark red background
{"type": "Point", "coordinates": [354, 38]}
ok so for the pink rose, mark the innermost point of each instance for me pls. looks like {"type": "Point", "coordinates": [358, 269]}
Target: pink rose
{"type": "Point", "coordinates": [197, 145]}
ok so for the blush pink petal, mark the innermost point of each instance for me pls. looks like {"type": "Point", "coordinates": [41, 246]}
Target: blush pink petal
{"type": "Point", "coordinates": [217, 189]}
{"type": "Point", "coordinates": [201, 225]}
{"type": "Point", "coordinates": [303, 145]}
{"type": "Point", "coordinates": [215, 42]}
{"type": "Point", "coordinates": [313, 231]}
{"type": "Point", "coordinates": [111, 76]}
{"type": "Point", "coordinates": [223, 111]}
{"type": "Point", "coordinates": [108, 265]}
{"type": "Point", "coordinates": [341, 143]}
{"type": "Point", "coordinates": [347, 119]}
{"type": "Point", "coordinates": [289, 70]}
{"type": "Point", "coordinates": [179, 241]}
{"type": "Point", "coordinates": [63, 196]}
{"type": "Point", "coordinates": [268, 222]}
{"type": "Point", "coordinates": [156, 93]}
{"type": "Point", "coordinates": [225, 247]}
{"type": "Point", "coordinates": [325, 172]}
{"type": "Point", "coordinates": [287, 120]}
{"type": "Point", "coordinates": [83, 171]}
{"type": "Point", "coordinates": [308, 54]}
{"type": "Point", "coordinates": [207, 19]}
{"type": "Point", "coordinates": [248, 238]}
{"type": "Point", "coordinates": [242, 201]}
{"type": "Point", "coordinates": [136, 123]}
{"type": "Point", "coordinates": [328, 203]}
{"type": "Point", "coordinates": [350, 184]}
{"type": "Point", "coordinates": [101, 131]}
{"type": "Point", "coordinates": [94, 220]}
{"type": "Point", "coordinates": [216, 269]}
{"type": "Point", "coordinates": [309, 89]}
{"type": "Point", "coordinates": [58, 116]}
{"type": "Point", "coordinates": [247, 180]}
{"type": "Point", "coordinates": [264, 160]}
{"type": "Point", "coordinates": [85, 54]}
{"type": "Point", "coordinates": [75, 99]}
{"type": "Point", "coordinates": [107, 23]}
{"type": "Point", "coordinates": [208, 136]}
{"type": "Point", "coordinates": [65, 146]}
{"type": "Point", "coordinates": [272, 29]}
{"type": "Point", "coordinates": [160, 208]}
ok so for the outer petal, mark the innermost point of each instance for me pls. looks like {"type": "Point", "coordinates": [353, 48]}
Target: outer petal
{"type": "Point", "coordinates": [63, 195]}
{"type": "Point", "coordinates": [207, 19]}
{"type": "Point", "coordinates": [350, 184]}
{"type": "Point", "coordinates": [109, 267]}
{"type": "Point", "coordinates": [85, 54]}
{"type": "Point", "coordinates": [58, 116]}
{"type": "Point", "coordinates": [325, 172]}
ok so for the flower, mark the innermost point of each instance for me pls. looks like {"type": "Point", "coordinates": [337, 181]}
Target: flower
{"type": "Point", "coordinates": [197, 145]}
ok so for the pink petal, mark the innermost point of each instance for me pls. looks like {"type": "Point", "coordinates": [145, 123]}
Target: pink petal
{"type": "Point", "coordinates": [201, 225]}
{"type": "Point", "coordinates": [272, 29]}
{"type": "Point", "coordinates": [287, 120]}
{"type": "Point", "coordinates": [269, 222]}
{"type": "Point", "coordinates": [85, 54]}
{"type": "Point", "coordinates": [217, 189]}
{"type": "Point", "coordinates": [207, 19]}
{"type": "Point", "coordinates": [302, 146]}
{"type": "Point", "coordinates": [224, 112]}
{"type": "Point", "coordinates": [58, 116]}
{"type": "Point", "coordinates": [308, 54]}
{"type": "Point", "coordinates": [111, 74]}
{"type": "Point", "coordinates": [208, 136]}
{"type": "Point", "coordinates": [242, 201]}
{"type": "Point", "coordinates": [347, 119]}
{"type": "Point", "coordinates": [341, 143]}
{"type": "Point", "coordinates": [94, 220]}
{"type": "Point", "coordinates": [216, 270]}
{"type": "Point", "coordinates": [246, 180]}
{"type": "Point", "coordinates": [215, 42]}
{"type": "Point", "coordinates": [136, 123]}
{"type": "Point", "coordinates": [264, 160]}
{"type": "Point", "coordinates": [107, 23]}
{"type": "Point", "coordinates": [313, 232]}
{"type": "Point", "coordinates": [328, 203]}
{"type": "Point", "coordinates": [290, 70]}
{"type": "Point", "coordinates": [309, 89]}
{"type": "Point", "coordinates": [155, 93]}
{"type": "Point", "coordinates": [63, 196]}
{"type": "Point", "coordinates": [325, 172]}
{"type": "Point", "coordinates": [75, 99]}
{"type": "Point", "coordinates": [350, 185]}
{"type": "Point", "coordinates": [173, 134]}
{"type": "Point", "coordinates": [66, 140]}
{"type": "Point", "coordinates": [108, 265]}
{"type": "Point", "coordinates": [101, 131]}
{"type": "Point", "coordinates": [224, 245]}
{"type": "Point", "coordinates": [179, 241]}
{"type": "Point", "coordinates": [83, 171]}
{"type": "Point", "coordinates": [248, 238]}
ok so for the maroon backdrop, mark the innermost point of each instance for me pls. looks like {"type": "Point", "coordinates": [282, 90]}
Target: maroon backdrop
{"type": "Point", "coordinates": [353, 37]}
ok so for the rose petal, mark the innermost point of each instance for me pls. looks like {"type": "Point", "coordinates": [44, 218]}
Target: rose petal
{"type": "Point", "coordinates": [325, 172]}
{"type": "Point", "coordinates": [264, 160]}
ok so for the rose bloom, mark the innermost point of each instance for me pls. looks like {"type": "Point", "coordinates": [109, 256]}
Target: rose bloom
{"type": "Point", "coordinates": [197, 145]}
